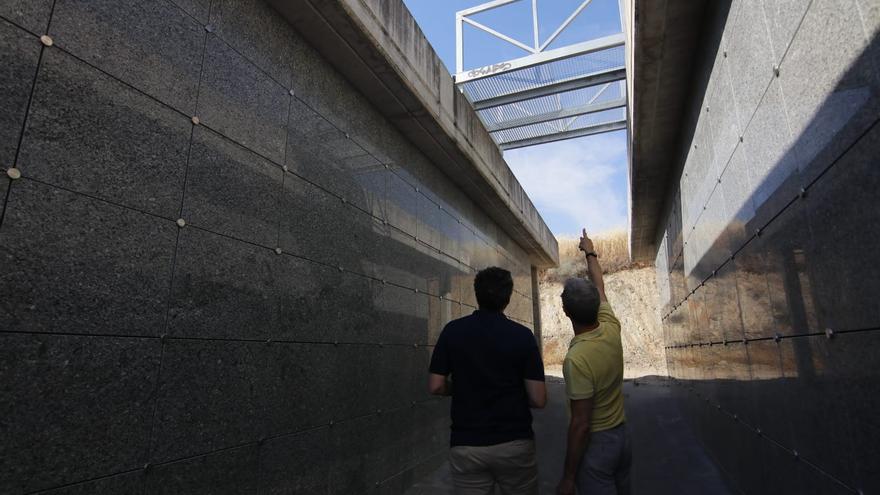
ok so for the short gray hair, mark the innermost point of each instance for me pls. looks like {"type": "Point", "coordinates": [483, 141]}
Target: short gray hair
{"type": "Point", "coordinates": [580, 299]}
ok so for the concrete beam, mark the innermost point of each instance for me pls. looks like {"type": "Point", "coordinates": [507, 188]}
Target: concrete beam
{"type": "Point", "coordinates": [664, 40]}
{"type": "Point", "coordinates": [379, 48]}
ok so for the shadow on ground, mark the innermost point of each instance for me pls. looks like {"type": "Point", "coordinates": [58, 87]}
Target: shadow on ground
{"type": "Point", "coordinates": [667, 457]}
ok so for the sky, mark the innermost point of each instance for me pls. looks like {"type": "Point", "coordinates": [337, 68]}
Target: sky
{"type": "Point", "coordinates": [575, 183]}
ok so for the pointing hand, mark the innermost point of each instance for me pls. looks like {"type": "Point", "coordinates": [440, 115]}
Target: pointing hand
{"type": "Point", "coordinates": [585, 244]}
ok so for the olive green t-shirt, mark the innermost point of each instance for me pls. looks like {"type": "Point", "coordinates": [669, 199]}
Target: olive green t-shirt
{"type": "Point", "coordinates": [593, 367]}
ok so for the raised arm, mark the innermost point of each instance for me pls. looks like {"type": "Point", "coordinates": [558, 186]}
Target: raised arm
{"type": "Point", "coordinates": [593, 268]}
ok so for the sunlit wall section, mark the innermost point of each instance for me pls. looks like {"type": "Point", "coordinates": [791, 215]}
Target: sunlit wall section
{"type": "Point", "coordinates": [768, 267]}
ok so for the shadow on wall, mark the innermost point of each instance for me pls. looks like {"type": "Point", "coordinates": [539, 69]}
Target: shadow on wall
{"type": "Point", "coordinates": [773, 333]}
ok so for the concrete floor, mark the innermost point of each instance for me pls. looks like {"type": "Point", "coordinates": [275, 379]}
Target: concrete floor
{"type": "Point", "coordinates": [667, 458]}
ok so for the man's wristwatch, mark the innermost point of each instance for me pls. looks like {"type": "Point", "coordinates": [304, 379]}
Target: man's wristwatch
{"type": "Point", "coordinates": [592, 253]}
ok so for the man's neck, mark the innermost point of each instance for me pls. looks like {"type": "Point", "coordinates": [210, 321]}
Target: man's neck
{"type": "Point", "coordinates": [579, 329]}
{"type": "Point", "coordinates": [491, 311]}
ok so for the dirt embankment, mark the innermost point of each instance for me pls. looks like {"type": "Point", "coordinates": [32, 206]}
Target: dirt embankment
{"type": "Point", "coordinates": [632, 292]}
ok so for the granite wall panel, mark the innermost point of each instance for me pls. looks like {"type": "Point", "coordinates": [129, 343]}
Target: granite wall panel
{"type": "Point", "coordinates": [298, 378]}
{"type": "Point", "coordinates": [211, 396]}
{"type": "Point", "coordinates": [4, 188]}
{"type": "Point", "coordinates": [74, 407]}
{"type": "Point", "coordinates": [255, 31]}
{"type": "Point", "coordinates": [74, 264]}
{"type": "Point", "coordinates": [241, 101]}
{"type": "Point", "coordinates": [130, 482]}
{"type": "Point", "coordinates": [223, 271]}
{"type": "Point", "coordinates": [233, 296]}
{"type": "Point", "coordinates": [770, 324]}
{"type": "Point", "coordinates": [19, 57]}
{"type": "Point", "coordinates": [299, 463]}
{"type": "Point", "coordinates": [90, 133]}
{"type": "Point", "coordinates": [232, 471]}
{"type": "Point", "coordinates": [197, 9]}
{"type": "Point", "coordinates": [116, 36]}
{"type": "Point", "coordinates": [231, 190]}
{"type": "Point", "coordinates": [32, 15]}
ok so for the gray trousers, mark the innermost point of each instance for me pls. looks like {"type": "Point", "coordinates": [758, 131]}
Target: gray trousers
{"type": "Point", "coordinates": [604, 470]}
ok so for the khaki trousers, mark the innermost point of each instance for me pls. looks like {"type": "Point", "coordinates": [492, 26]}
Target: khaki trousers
{"type": "Point", "coordinates": [511, 465]}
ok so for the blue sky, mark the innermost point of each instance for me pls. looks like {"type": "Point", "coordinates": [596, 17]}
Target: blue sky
{"type": "Point", "coordinates": [574, 183]}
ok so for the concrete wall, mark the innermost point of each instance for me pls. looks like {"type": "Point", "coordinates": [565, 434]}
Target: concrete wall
{"type": "Point", "coordinates": [768, 264]}
{"type": "Point", "coordinates": [222, 270]}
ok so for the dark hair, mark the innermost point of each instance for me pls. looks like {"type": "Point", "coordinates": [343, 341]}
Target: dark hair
{"type": "Point", "coordinates": [580, 300]}
{"type": "Point", "coordinates": [493, 287]}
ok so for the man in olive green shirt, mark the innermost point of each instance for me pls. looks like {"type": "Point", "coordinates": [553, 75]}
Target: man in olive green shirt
{"type": "Point", "coordinates": [598, 454]}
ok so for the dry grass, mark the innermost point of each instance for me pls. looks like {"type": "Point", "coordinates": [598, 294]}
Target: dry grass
{"type": "Point", "coordinates": [613, 249]}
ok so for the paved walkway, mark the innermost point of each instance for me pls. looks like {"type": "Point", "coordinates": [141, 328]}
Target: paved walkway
{"type": "Point", "coordinates": [667, 458]}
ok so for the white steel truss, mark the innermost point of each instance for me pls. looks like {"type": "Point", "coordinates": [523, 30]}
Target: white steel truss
{"type": "Point", "coordinates": [547, 95]}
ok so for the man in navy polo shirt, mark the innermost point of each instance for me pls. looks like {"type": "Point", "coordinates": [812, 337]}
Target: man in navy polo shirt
{"type": "Point", "coordinates": [498, 374]}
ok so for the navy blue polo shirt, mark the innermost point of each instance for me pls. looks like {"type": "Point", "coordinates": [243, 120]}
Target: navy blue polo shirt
{"type": "Point", "coordinates": [488, 356]}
